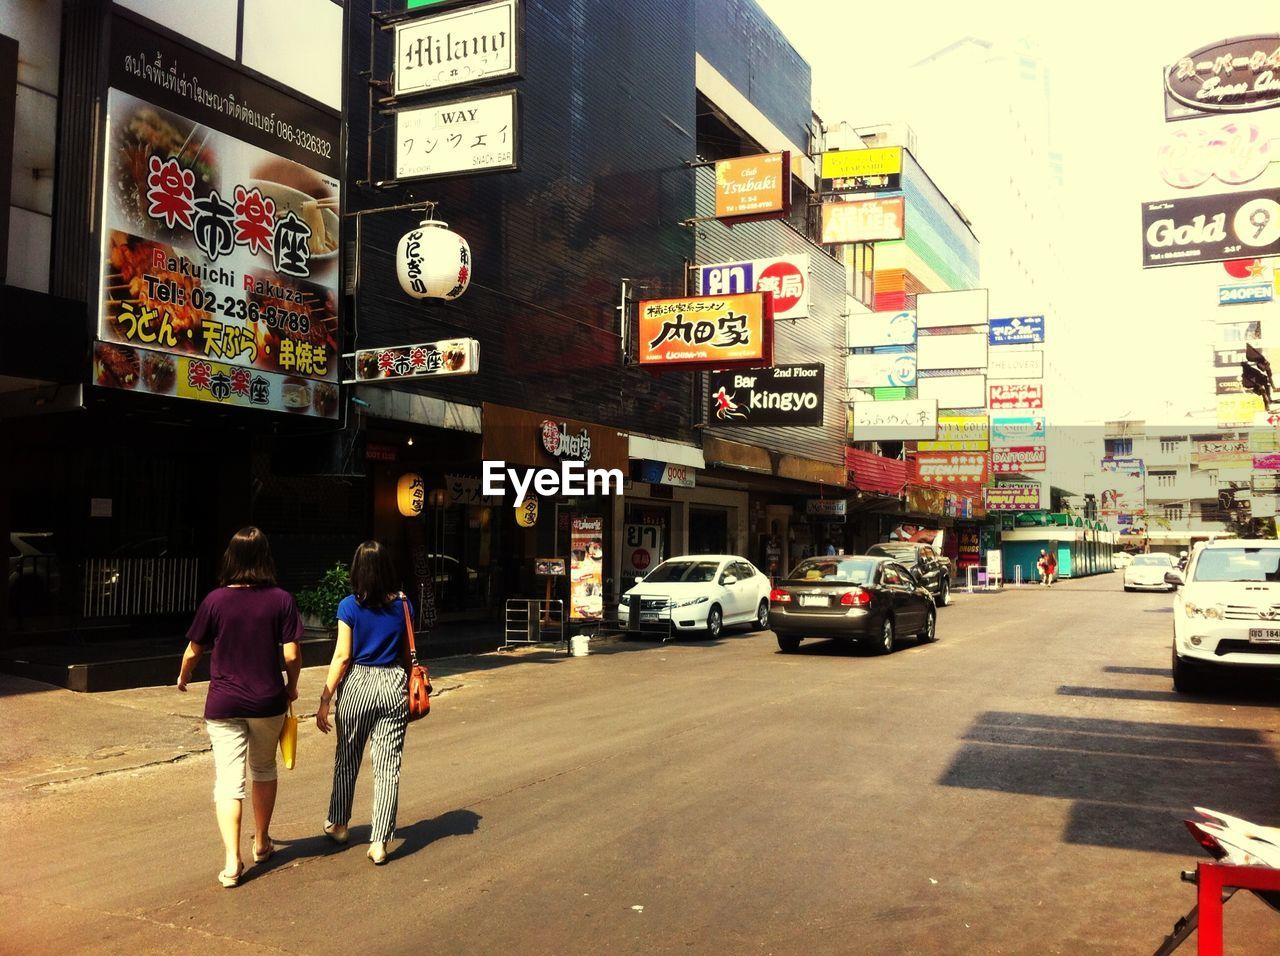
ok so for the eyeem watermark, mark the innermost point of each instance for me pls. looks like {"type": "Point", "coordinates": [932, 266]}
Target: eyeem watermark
{"type": "Point", "coordinates": [571, 479]}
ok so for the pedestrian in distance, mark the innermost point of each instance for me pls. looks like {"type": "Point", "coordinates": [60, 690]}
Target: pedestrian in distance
{"type": "Point", "coordinates": [1042, 567]}
{"type": "Point", "coordinates": [246, 621]}
{"type": "Point", "coordinates": [1051, 566]}
{"type": "Point", "coordinates": [369, 677]}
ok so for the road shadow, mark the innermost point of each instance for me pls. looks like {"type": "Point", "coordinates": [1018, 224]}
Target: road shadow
{"type": "Point", "coordinates": [1144, 671]}
{"type": "Point", "coordinates": [1256, 693]}
{"type": "Point", "coordinates": [1158, 610]}
{"type": "Point", "coordinates": [1131, 783]}
{"type": "Point", "coordinates": [831, 647]}
{"type": "Point", "coordinates": [418, 836]}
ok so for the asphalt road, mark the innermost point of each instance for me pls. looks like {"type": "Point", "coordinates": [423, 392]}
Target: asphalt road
{"type": "Point", "coordinates": [1015, 788]}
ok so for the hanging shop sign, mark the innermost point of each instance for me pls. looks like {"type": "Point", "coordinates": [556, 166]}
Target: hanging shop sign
{"type": "Point", "coordinates": [447, 357]}
{"type": "Point", "coordinates": [951, 468]}
{"type": "Point", "coordinates": [1017, 330]}
{"type": "Point", "coordinates": [706, 332]}
{"type": "Point", "coordinates": [1124, 486]}
{"type": "Point", "coordinates": [1237, 411]}
{"type": "Point", "coordinates": [786, 395]}
{"type": "Point", "coordinates": [475, 135]}
{"type": "Point", "coordinates": [467, 490]}
{"type": "Point", "coordinates": [937, 310]}
{"type": "Point", "coordinates": [1232, 76]}
{"type": "Point", "coordinates": [527, 511]}
{"type": "Point", "coordinates": [1019, 459]}
{"type": "Point", "coordinates": [1017, 429]}
{"type": "Point", "coordinates": [880, 370]}
{"type": "Point", "coordinates": [754, 186]}
{"type": "Point", "coordinates": [1005, 363]}
{"type": "Point", "coordinates": [411, 494]}
{"type": "Point", "coordinates": [219, 232]}
{"type": "Point", "coordinates": [863, 220]}
{"type": "Point", "coordinates": [959, 433]}
{"type": "Point", "coordinates": [1242, 294]}
{"type": "Point", "coordinates": [432, 262]}
{"type": "Point", "coordinates": [1234, 153]}
{"type": "Point", "coordinates": [907, 420]}
{"type": "Point", "coordinates": [882, 328]}
{"type": "Point", "coordinates": [786, 278]}
{"type": "Point", "coordinates": [642, 549]}
{"type": "Point", "coordinates": [1228, 358]}
{"type": "Point", "coordinates": [861, 170]}
{"type": "Point", "coordinates": [559, 442]}
{"type": "Point", "coordinates": [1269, 462]}
{"type": "Point", "coordinates": [586, 568]}
{"type": "Point", "coordinates": [954, 391]}
{"type": "Point", "coordinates": [1016, 395]}
{"type": "Point", "coordinates": [1012, 497]}
{"type": "Point", "coordinates": [938, 352]}
{"type": "Point", "coordinates": [1234, 333]}
{"type": "Point", "coordinates": [1227, 385]}
{"type": "Point", "coordinates": [456, 47]}
{"type": "Point", "coordinates": [668, 473]}
{"type": "Point", "coordinates": [1196, 229]}
{"type": "Point", "coordinates": [826, 507]}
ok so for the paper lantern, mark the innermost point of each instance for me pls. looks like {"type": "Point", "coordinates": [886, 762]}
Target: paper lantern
{"type": "Point", "coordinates": [527, 512]}
{"type": "Point", "coordinates": [411, 494]}
{"type": "Point", "coordinates": [432, 262]}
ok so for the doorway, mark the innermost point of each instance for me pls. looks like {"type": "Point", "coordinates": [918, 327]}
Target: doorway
{"type": "Point", "coordinates": [708, 530]}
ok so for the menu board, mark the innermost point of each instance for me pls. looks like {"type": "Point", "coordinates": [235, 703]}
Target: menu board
{"type": "Point", "coordinates": [586, 568]}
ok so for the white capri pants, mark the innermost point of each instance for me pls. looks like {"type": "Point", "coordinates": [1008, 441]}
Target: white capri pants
{"type": "Point", "coordinates": [232, 738]}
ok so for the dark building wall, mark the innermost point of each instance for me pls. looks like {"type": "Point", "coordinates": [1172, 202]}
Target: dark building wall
{"type": "Point", "coordinates": [607, 120]}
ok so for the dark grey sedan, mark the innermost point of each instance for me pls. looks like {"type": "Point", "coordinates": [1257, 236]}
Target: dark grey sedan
{"type": "Point", "coordinates": [855, 597]}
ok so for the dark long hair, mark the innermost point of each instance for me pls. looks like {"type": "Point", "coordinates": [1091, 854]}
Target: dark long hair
{"type": "Point", "coordinates": [248, 560]}
{"type": "Point", "coordinates": [373, 575]}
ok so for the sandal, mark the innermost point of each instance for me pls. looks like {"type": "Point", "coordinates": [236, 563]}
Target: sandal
{"type": "Point", "coordinates": [378, 853]}
{"type": "Point", "coordinates": [336, 832]}
{"type": "Point", "coordinates": [228, 881]}
{"type": "Point", "coordinates": [264, 855]}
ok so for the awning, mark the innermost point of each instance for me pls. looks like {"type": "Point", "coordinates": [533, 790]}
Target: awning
{"type": "Point", "coordinates": [875, 473]}
{"type": "Point", "coordinates": [673, 453]}
{"type": "Point", "coordinates": [418, 409]}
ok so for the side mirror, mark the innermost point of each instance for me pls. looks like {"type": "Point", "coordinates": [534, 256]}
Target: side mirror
{"type": "Point", "coordinates": [728, 580]}
{"type": "Point", "coordinates": [1175, 578]}
{"type": "Point", "coordinates": [639, 578]}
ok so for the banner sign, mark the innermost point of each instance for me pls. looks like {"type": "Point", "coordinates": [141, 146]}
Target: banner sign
{"type": "Point", "coordinates": [965, 351]}
{"type": "Point", "coordinates": [474, 135]}
{"type": "Point", "coordinates": [1232, 76]}
{"type": "Point", "coordinates": [586, 568]}
{"type": "Point", "coordinates": [954, 391]}
{"type": "Point", "coordinates": [450, 357]}
{"type": "Point", "coordinates": [1017, 330]}
{"type": "Point", "coordinates": [880, 369]}
{"type": "Point", "coordinates": [1020, 459]}
{"type": "Point", "coordinates": [826, 507]}
{"type": "Point", "coordinates": [1234, 333]}
{"type": "Point", "coordinates": [959, 433]}
{"type": "Point", "coordinates": [951, 468]}
{"type": "Point", "coordinates": [1124, 486]}
{"type": "Point", "coordinates": [882, 328]}
{"type": "Point", "coordinates": [1017, 429]}
{"type": "Point", "coordinates": [1228, 358]}
{"type": "Point", "coordinates": [1266, 462]}
{"type": "Point", "coordinates": [936, 310]}
{"type": "Point", "coordinates": [219, 255]}
{"type": "Point", "coordinates": [706, 332]}
{"type": "Point", "coordinates": [1195, 229]}
{"type": "Point", "coordinates": [668, 473]}
{"type": "Point", "coordinates": [1012, 498]}
{"type": "Point", "coordinates": [786, 395]}
{"type": "Point", "coordinates": [757, 186]}
{"type": "Point", "coordinates": [786, 277]}
{"type": "Point", "coordinates": [863, 220]}
{"type": "Point", "coordinates": [456, 47]}
{"type": "Point", "coordinates": [1237, 294]}
{"type": "Point", "coordinates": [1237, 411]}
{"type": "Point", "coordinates": [1016, 395]}
{"type": "Point", "coordinates": [1227, 385]}
{"type": "Point", "coordinates": [1010, 364]}
{"type": "Point", "coordinates": [860, 170]}
{"type": "Point", "coordinates": [905, 420]}
{"type": "Point", "coordinates": [1235, 153]}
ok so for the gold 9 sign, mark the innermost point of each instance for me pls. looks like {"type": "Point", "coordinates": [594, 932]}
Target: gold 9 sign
{"type": "Point", "coordinates": [527, 512]}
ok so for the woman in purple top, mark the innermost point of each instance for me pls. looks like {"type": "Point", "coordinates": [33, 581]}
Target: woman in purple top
{"type": "Point", "coordinates": [246, 620]}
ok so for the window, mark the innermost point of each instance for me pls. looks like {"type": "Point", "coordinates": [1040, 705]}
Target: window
{"type": "Point", "coordinates": [889, 575]}
{"type": "Point", "coordinates": [1173, 512]}
{"type": "Point", "coordinates": [1170, 445]}
{"type": "Point", "coordinates": [1238, 564]}
{"type": "Point", "coordinates": [1164, 479]}
{"type": "Point", "coordinates": [845, 570]}
{"type": "Point", "coordinates": [1119, 447]}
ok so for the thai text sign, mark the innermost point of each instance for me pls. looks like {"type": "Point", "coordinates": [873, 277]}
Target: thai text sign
{"type": "Point", "coordinates": [451, 357]}
{"type": "Point", "coordinates": [880, 370]}
{"type": "Point", "coordinates": [905, 420]}
{"type": "Point", "coordinates": [951, 468]}
{"type": "Point", "coordinates": [753, 185]}
{"type": "Point", "coordinates": [863, 220]}
{"type": "Point", "coordinates": [882, 328]}
{"type": "Point", "coordinates": [786, 278]}
{"type": "Point", "coordinates": [959, 433]}
{"type": "Point", "coordinates": [1195, 229]}
{"type": "Point", "coordinates": [786, 395]}
{"type": "Point", "coordinates": [1017, 429]}
{"type": "Point", "coordinates": [463, 136]}
{"type": "Point", "coordinates": [706, 332]}
{"type": "Point", "coordinates": [1012, 498]}
{"type": "Point", "coordinates": [455, 47]}
{"type": "Point", "coordinates": [1005, 363]}
{"type": "Point", "coordinates": [1017, 330]}
{"type": "Point", "coordinates": [1020, 459]}
{"type": "Point", "coordinates": [1016, 395]}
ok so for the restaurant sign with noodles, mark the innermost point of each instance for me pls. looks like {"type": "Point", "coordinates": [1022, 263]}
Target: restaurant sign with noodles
{"type": "Point", "coordinates": [220, 230]}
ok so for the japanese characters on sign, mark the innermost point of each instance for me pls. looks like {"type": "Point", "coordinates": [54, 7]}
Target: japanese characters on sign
{"type": "Point", "coordinates": [1234, 451]}
{"type": "Point", "coordinates": [786, 277]}
{"type": "Point", "coordinates": [882, 328]}
{"type": "Point", "coordinates": [219, 233]}
{"type": "Point", "coordinates": [456, 47]}
{"type": "Point", "coordinates": [1227, 77]}
{"type": "Point", "coordinates": [449, 357]}
{"type": "Point", "coordinates": [906, 420]}
{"type": "Point", "coordinates": [1012, 497]}
{"type": "Point", "coordinates": [586, 568]}
{"type": "Point", "coordinates": [1017, 330]}
{"type": "Point", "coordinates": [471, 135]}
{"type": "Point", "coordinates": [1194, 229]}
{"type": "Point", "coordinates": [959, 433]}
{"type": "Point", "coordinates": [755, 186]}
{"type": "Point", "coordinates": [951, 468]}
{"type": "Point", "coordinates": [786, 395]}
{"type": "Point", "coordinates": [706, 332]}
{"type": "Point", "coordinates": [1016, 395]}
{"type": "Point", "coordinates": [880, 369]}
{"type": "Point", "coordinates": [861, 170]}
{"type": "Point", "coordinates": [1020, 459]}
{"type": "Point", "coordinates": [863, 220]}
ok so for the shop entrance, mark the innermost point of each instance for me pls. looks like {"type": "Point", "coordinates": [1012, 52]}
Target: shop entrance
{"type": "Point", "coordinates": [708, 531]}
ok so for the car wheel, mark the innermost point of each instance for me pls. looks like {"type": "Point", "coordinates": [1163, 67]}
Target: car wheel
{"type": "Point", "coordinates": [1187, 678]}
{"type": "Point", "coordinates": [930, 632]}
{"type": "Point", "coordinates": [715, 622]}
{"type": "Point", "coordinates": [944, 593]}
{"type": "Point", "coordinates": [787, 644]}
{"type": "Point", "coordinates": [1128, 589]}
{"type": "Point", "coordinates": [762, 616]}
{"type": "Point", "coordinates": [885, 644]}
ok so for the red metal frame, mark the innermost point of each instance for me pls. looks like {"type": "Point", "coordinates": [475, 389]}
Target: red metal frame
{"type": "Point", "coordinates": [1212, 879]}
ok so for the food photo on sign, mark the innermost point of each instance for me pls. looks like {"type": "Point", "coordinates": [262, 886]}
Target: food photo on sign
{"type": "Point", "coordinates": [586, 568]}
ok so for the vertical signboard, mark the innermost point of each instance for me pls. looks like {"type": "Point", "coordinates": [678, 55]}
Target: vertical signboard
{"type": "Point", "coordinates": [586, 568]}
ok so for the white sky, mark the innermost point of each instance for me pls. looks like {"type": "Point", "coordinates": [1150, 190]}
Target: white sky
{"type": "Point", "coordinates": [1147, 332]}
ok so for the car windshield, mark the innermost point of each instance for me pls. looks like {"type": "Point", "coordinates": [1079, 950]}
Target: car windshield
{"type": "Point", "coordinates": [850, 570]}
{"type": "Point", "coordinates": [1239, 564]}
{"type": "Point", "coordinates": [683, 572]}
{"type": "Point", "coordinates": [1152, 560]}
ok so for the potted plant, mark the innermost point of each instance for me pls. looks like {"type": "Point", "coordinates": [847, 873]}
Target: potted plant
{"type": "Point", "coordinates": [319, 604]}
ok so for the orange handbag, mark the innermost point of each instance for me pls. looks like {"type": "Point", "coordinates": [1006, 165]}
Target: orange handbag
{"type": "Point", "coordinates": [419, 681]}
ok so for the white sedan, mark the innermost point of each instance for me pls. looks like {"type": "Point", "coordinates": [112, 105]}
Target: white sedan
{"type": "Point", "coordinates": [1146, 572]}
{"type": "Point", "coordinates": [697, 592]}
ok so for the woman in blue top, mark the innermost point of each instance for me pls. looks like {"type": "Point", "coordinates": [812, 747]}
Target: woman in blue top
{"type": "Point", "coordinates": [369, 664]}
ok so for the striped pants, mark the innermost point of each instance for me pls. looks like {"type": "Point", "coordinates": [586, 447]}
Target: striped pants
{"type": "Point", "coordinates": [373, 706]}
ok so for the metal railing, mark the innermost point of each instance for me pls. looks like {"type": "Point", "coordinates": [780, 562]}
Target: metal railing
{"type": "Point", "coordinates": [648, 614]}
{"type": "Point", "coordinates": [530, 621]}
{"type": "Point", "coordinates": [118, 587]}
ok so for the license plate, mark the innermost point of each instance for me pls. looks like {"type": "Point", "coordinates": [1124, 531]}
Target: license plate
{"type": "Point", "coordinates": [813, 600]}
{"type": "Point", "coordinates": [1264, 635]}
{"type": "Point", "coordinates": [649, 616]}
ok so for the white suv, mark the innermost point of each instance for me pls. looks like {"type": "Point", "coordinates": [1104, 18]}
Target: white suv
{"type": "Point", "coordinates": [1227, 613]}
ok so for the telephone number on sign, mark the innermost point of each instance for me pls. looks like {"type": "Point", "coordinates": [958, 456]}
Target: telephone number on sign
{"type": "Point", "coordinates": [234, 308]}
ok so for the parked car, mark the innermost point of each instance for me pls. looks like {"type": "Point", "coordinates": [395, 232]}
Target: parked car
{"type": "Point", "coordinates": [865, 598]}
{"type": "Point", "coordinates": [1226, 612]}
{"type": "Point", "coordinates": [926, 565]}
{"type": "Point", "coordinates": [1121, 560]}
{"type": "Point", "coordinates": [697, 592]}
{"type": "Point", "coordinates": [1146, 573]}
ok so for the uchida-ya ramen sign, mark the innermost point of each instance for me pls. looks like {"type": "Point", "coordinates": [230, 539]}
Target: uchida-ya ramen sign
{"type": "Point", "coordinates": [706, 332]}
